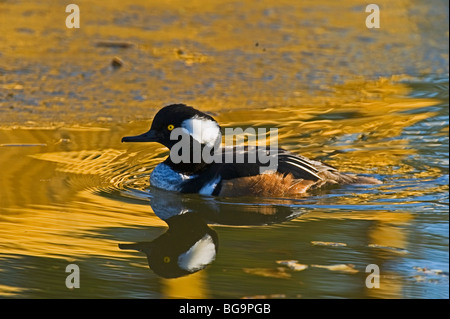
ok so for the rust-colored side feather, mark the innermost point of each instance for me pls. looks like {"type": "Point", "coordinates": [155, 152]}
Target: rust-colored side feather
{"type": "Point", "coordinates": [265, 185]}
{"type": "Point", "coordinates": [279, 185]}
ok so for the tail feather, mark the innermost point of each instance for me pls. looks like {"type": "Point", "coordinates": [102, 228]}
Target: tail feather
{"type": "Point", "coordinates": [334, 177]}
{"type": "Point", "coordinates": [364, 180]}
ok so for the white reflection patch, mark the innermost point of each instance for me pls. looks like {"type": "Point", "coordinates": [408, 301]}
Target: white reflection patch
{"type": "Point", "coordinates": [199, 255]}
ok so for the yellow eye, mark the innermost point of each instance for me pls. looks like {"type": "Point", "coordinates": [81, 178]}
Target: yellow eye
{"type": "Point", "coordinates": [170, 127]}
{"type": "Point", "coordinates": [167, 259]}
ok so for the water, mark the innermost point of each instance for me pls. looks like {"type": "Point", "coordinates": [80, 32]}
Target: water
{"type": "Point", "coordinates": [371, 102]}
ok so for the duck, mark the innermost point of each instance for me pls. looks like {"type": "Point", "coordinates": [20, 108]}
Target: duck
{"type": "Point", "coordinates": [188, 132]}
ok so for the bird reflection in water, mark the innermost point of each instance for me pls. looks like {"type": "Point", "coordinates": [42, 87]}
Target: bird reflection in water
{"type": "Point", "coordinates": [189, 244]}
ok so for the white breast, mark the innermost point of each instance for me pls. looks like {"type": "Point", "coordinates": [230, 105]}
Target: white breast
{"type": "Point", "coordinates": [166, 178]}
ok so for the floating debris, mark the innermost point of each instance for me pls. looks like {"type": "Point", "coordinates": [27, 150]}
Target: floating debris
{"type": "Point", "coordinates": [346, 268]}
{"type": "Point", "coordinates": [116, 62]}
{"type": "Point", "coordinates": [190, 58]}
{"type": "Point", "coordinates": [393, 249]}
{"type": "Point", "coordinates": [63, 141]}
{"type": "Point", "coordinates": [114, 44]}
{"type": "Point", "coordinates": [292, 264]}
{"type": "Point", "coordinates": [278, 272]}
{"type": "Point", "coordinates": [328, 243]}
{"type": "Point", "coordinates": [419, 278]}
{"type": "Point", "coordinates": [12, 86]}
{"type": "Point", "coordinates": [427, 271]}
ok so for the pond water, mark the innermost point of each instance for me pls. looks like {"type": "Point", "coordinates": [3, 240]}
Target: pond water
{"type": "Point", "coordinates": [367, 101]}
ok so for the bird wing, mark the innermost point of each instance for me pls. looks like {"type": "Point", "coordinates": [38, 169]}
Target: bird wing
{"type": "Point", "coordinates": [299, 166]}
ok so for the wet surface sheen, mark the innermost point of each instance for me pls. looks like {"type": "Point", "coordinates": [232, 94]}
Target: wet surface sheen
{"type": "Point", "coordinates": [371, 102]}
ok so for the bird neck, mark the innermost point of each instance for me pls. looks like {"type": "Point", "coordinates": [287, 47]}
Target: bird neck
{"type": "Point", "coordinates": [188, 168]}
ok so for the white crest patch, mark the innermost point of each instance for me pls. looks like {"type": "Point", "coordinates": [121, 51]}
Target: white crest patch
{"type": "Point", "coordinates": [203, 130]}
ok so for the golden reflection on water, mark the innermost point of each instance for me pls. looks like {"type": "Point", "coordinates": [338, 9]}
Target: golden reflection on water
{"type": "Point", "coordinates": [52, 200]}
{"type": "Point", "coordinates": [334, 89]}
{"type": "Point", "coordinates": [192, 286]}
{"type": "Point", "coordinates": [217, 55]}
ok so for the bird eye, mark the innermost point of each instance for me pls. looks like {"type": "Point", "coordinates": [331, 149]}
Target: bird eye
{"type": "Point", "coordinates": [167, 259]}
{"type": "Point", "coordinates": [170, 127]}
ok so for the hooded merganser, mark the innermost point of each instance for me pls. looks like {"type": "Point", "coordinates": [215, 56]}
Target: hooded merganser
{"type": "Point", "coordinates": [294, 174]}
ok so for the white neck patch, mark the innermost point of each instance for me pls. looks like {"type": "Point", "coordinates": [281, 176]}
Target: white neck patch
{"type": "Point", "coordinates": [203, 130]}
